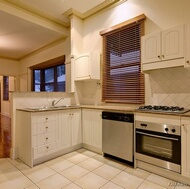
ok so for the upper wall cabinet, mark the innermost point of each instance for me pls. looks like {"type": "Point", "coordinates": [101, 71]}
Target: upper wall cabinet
{"type": "Point", "coordinates": [87, 66]}
{"type": "Point", "coordinates": [163, 49]}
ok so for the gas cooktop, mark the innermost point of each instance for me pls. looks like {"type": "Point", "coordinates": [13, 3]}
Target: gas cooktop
{"type": "Point", "coordinates": [169, 109]}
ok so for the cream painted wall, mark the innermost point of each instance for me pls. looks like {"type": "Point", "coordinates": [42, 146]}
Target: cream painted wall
{"type": "Point", "coordinates": [161, 14]}
{"type": "Point", "coordinates": [5, 105]}
{"type": "Point", "coordinates": [62, 48]}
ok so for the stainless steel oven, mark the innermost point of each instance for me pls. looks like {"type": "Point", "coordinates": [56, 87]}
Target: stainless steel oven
{"type": "Point", "coordinates": [159, 145]}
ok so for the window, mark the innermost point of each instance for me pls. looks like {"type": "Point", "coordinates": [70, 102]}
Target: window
{"type": "Point", "coordinates": [122, 80]}
{"type": "Point", "coordinates": [5, 88]}
{"type": "Point", "coordinates": [49, 78]}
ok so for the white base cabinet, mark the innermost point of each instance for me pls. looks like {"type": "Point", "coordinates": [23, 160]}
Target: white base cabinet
{"type": "Point", "coordinates": [185, 140]}
{"type": "Point", "coordinates": [43, 135]}
{"type": "Point", "coordinates": [92, 128]}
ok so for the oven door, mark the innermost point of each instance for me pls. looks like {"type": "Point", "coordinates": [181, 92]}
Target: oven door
{"type": "Point", "coordinates": [159, 149]}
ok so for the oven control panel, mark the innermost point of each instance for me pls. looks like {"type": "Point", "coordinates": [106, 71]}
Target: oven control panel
{"type": "Point", "coordinates": [158, 127]}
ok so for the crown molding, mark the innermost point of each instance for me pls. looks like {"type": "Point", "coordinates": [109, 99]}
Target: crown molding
{"type": "Point", "coordinates": [107, 4]}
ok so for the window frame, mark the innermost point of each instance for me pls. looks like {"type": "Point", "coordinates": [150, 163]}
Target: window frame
{"type": "Point", "coordinates": [111, 93]}
{"type": "Point", "coordinates": [42, 67]}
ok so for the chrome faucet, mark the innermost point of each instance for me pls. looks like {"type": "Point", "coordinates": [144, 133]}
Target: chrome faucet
{"type": "Point", "coordinates": [53, 103]}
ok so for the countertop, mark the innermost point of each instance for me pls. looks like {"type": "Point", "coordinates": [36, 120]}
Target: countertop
{"type": "Point", "coordinates": [103, 107]}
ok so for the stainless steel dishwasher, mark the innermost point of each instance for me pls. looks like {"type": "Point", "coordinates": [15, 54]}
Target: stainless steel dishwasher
{"type": "Point", "coordinates": [118, 134]}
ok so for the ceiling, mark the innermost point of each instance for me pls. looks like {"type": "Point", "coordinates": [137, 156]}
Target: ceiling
{"type": "Point", "coordinates": [28, 26]}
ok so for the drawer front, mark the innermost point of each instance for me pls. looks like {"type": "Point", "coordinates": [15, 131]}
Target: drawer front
{"type": "Point", "coordinates": [45, 138]}
{"type": "Point", "coordinates": [45, 150]}
{"type": "Point", "coordinates": [41, 128]}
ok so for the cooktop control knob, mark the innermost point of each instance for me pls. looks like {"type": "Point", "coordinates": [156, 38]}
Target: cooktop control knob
{"type": "Point", "coordinates": [166, 129]}
{"type": "Point", "coordinates": [173, 130]}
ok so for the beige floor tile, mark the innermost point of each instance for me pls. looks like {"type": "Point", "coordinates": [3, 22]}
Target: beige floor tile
{"type": "Point", "coordinates": [164, 182]}
{"type": "Point", "coordinates": [90, 164]}
{"type": "Point", "coordinates": [181, 186]}
{"type": "Point", "coordinates": [60, 164]}
{"type": "Point", "coordinates": [101, 158]}
{"type": "Point", "coordinates": [16, 183]}
{"type": "Point", "coordinates": [74, 173]}
{"type": "Point", "coordinates": [9, 174]}
{"type": "Point", "coordinates": [138, 172]}
{"type": "Point", "coordinates": [39, 173]}
{"type": "Point", "coordinates": [5, 164]}
{"type": "Point", "coordinates": [111, 185]}
{"type": "Point", "coordinates": [118, 165]}
{"type": "Point", "coordinates": [72, 186]}
{"type": "Point", "coordinates": [87, 152]}
{"type": "Point", "coordinates": [53, 182]}
{"type": "Point", "coordinates": [91, 181]}
{"type": "Point", "coordinates": [77, 158]}
{"type": "Point", "coordinates": [107, 171]}
{"type": "Point", "coordinates": [149, 185]}
{"type": "Point", "coordinates": [69, 155]}
{"type": "Point", "coordinates": [32, 187]}
{"type": "Point", "coordinates": [127, 180]}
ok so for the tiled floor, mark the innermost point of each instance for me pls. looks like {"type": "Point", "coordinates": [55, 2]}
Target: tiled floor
{"type": "Point", "coordinates": [79, 169]}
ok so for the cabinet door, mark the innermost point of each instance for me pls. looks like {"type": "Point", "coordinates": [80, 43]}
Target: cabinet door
{"type": "Point", "coordinates": [151, 48]}
{"type": "Point", "coordinates": [173, 43]}
{"type": "Point", "coordinates": [82, 67]}
{"type": "Point", "coordinates": [97, 128]}
{"type": "Point", "coordinates": [185, 137]}
{"type": "Point", "coordinates": [76, 127]}
{"type": "Point", "coordinates": [187, 46]}
{"type": "Point", "coordinates": [86, 124]}
{"type": "Point", "coordinates": [65, 119]}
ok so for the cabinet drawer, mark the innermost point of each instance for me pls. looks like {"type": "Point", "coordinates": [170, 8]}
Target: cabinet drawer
{"type": "Point", "coordinates": [44, 139]}
{"type": "Point", "coordinates": [44, 149]}
{"type": "Point", "coordinates": [41, 128]}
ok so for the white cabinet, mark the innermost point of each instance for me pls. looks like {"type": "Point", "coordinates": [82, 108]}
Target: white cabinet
{"type": "Point", "coordinates": [87, 66]}
{"type": "Point", "coordinates": [37, 135]}
{"type": "Point", "coordinates": [71, 130]}
{"type": "Point", "coordinates": [185, 140]}
{"type": "Point", "coordinates": [163, 49]}
{"type": "Point", "coordinates": [92, 128]}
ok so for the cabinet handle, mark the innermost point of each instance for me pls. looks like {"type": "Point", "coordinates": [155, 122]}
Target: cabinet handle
{"type": "Point", "coordinates": [158, 56]}
{"type": "Point", "coordinates": [46, 127]}
{"type": "Point", "coordinates": [188, 61]}
{"type": "Point", "coordinates": [47, 138]}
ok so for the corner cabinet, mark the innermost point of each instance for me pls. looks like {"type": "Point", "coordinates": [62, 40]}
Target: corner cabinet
{"type": "Point", "coordinates": [185, 140]}
{"type": "Point", "coordinates": [92, 129]}
{"type": "Point", "coordinates": [87, 66]}
{"type": "Point", "coordinates": [163, 49]}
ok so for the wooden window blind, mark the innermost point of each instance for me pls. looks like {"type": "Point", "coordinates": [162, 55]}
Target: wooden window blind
{"type": "Point", "coordinates": [122, 80]}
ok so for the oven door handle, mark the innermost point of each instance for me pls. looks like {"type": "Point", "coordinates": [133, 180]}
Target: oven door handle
{"type": "Point", "coordinates": [168, 138]}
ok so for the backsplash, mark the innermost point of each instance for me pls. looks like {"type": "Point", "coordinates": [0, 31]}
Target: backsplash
{"type": "Point", "coordinates": [168, 87]}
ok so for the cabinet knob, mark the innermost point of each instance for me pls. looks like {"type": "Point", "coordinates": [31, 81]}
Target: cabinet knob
{"type": "Point", "coordinates": [46, 138]}
{"type": "Point", "coordinates": [162, 56]}
{"type": "Point", "coordinates": [46, 118]}
{"type": "Point", "coordinates": [46, 127]}
{"type": "Point", "coordinates": [47, 147]}
{"type": "Point", "coordinates": [188, 61]}
{"type": "Point", "coordinates": [183, 125]}
{"type": "Point", "coordinates": [158, 56]}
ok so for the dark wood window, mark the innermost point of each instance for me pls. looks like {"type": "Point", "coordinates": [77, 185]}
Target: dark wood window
{"type": "Point", "coordinates": [5, 87]}
{"type": "Point", "coordinates": [49, 77]}
{"type": "Point", "coordinates": [122, 80]}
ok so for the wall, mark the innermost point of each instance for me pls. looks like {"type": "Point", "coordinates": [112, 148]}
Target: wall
{"type": "Point", "coordinates": [62, 48]}
{"type": "Point", "coordinates": [5, 105]}
{"type": "Point", "coordinates": [161, 14]}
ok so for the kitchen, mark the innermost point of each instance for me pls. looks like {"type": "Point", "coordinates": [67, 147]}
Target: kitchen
{"type": "Point", "coordinates": [162, 86]}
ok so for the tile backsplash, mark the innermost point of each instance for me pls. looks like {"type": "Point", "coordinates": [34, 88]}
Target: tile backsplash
{"type": "Point", "coordinates": [168, 87]}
